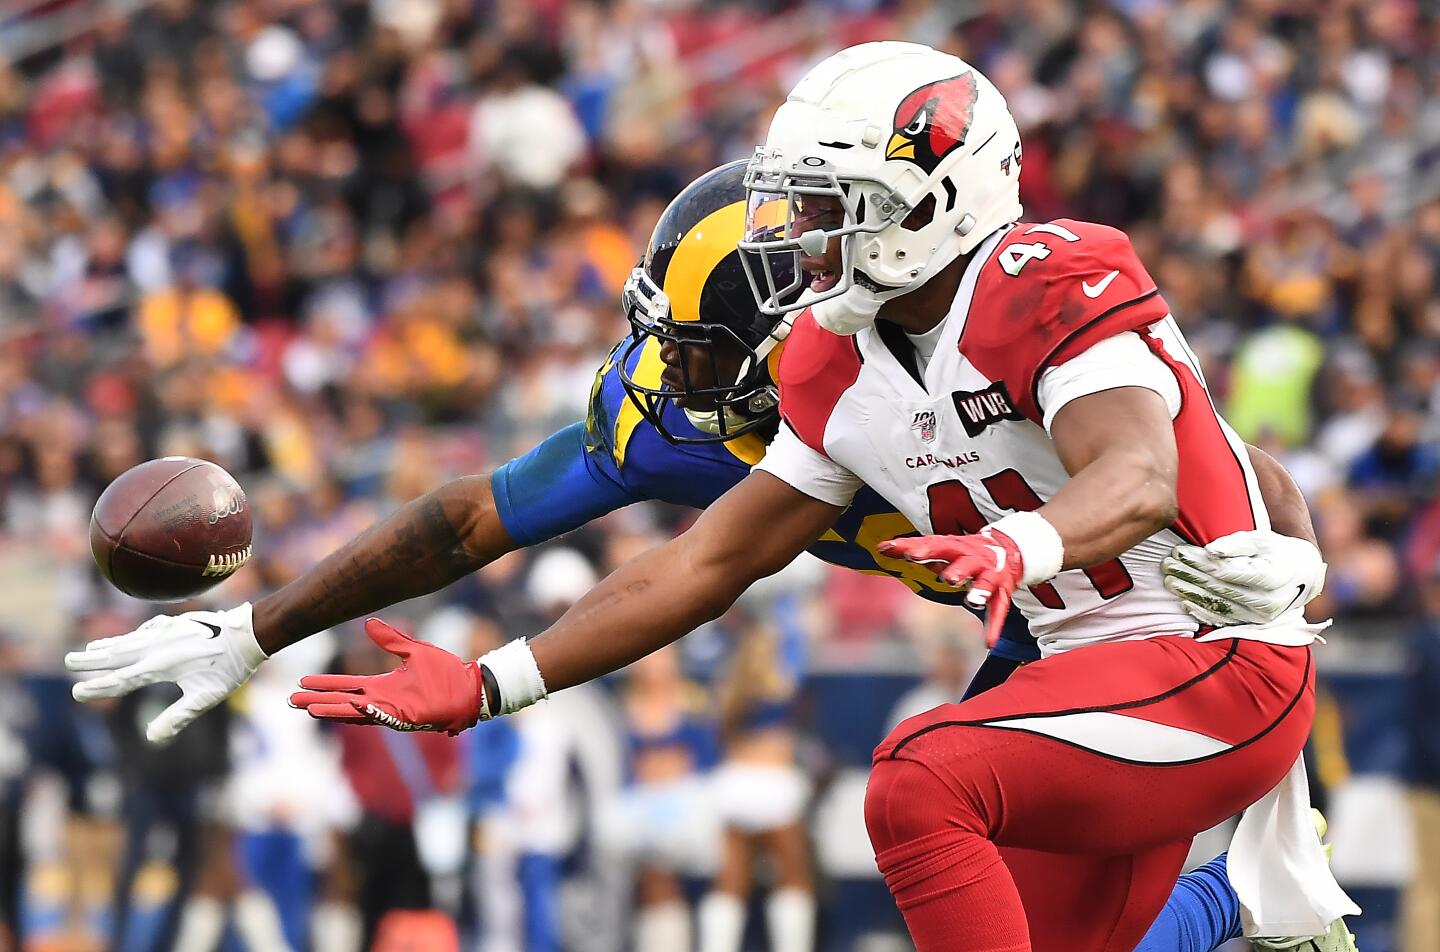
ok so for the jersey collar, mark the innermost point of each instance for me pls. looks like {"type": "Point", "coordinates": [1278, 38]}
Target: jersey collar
{"type": "Point", "coordinates": [953, 325]}
{"type": "Point", "coordinates": [959, 311]}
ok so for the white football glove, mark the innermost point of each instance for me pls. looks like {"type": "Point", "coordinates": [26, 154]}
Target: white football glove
{"type": "Point", "coordinates": [208, 654]}
{"type": "Point", "coordinates": [1246, 578]}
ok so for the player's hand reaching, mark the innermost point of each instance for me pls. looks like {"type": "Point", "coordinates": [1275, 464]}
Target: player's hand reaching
{"type": "Point", "coordinates": [431, 690]}
{"type": "Point", "coordinates": [208, 654]}
{"type": "Point", "coordinates": [988, 563]}
{"type": "Point", "coordinates": [1246, 578]}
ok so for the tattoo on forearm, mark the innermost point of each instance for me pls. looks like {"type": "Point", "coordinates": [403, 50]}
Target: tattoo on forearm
{"type": "Point", "coordinates": [414, 552]}
{"type": "Point", "coordinates": [566, 653]}
{"type": "Point", "coordinates": [608, 602]}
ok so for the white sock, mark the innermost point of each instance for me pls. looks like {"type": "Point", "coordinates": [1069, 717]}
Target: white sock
{"type": "Point", "coordinates": [336, 927]}
{"type": "Point", "coordinates": [202, 922]}
{"type": "Point", "coordinates": [790, 915]}
{"type": "Point", "coordinates": [258, 923]}
{"type": "Point", "coordinates": [663, 928]}
{"type": "Point", "coordinates": [722, 922]}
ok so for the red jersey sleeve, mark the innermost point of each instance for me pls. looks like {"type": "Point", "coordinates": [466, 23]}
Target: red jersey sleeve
{"type": "Point", "coordinates": [815, 369]}
{"type": "Point", "coordinates": [1048, 293]}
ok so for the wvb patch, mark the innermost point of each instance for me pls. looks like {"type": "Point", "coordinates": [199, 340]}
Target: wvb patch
{"type": "Point", "coordinates": [982, 408]}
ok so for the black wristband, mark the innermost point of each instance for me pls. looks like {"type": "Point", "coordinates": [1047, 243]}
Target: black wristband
{"type": "Point", "coordinates": [492, 692]}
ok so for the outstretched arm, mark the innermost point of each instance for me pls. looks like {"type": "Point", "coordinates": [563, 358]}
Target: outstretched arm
{"type": "Point", "coordinates": [420, 548]}
{"type": "Point", "coordinates": [445, 535]}
{"type": "Point", "coordinates": [754, 530]}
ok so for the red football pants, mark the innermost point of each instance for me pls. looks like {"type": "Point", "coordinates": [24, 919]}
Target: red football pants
{"type": "Point", "coordinates": [1054, 811]}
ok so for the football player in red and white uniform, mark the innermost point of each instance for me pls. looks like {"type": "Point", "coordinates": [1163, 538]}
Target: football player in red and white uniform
{"type": "Point", "coordinates": [1021, 383]}
{"type": "Point", "coordinates": [1020, 389]}
{"type": "Point", "coordinates": [1033, 405]}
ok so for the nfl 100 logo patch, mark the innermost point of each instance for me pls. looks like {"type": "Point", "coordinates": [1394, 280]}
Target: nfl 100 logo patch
{"type": "Point", "coordinates": [924, 425]}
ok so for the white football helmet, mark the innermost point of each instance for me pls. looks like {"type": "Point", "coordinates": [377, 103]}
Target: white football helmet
{"type": "Point", "coordinates": [922, 153]}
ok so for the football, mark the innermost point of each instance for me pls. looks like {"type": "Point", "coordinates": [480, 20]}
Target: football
{"type": "Point", "coordinates": [170, 528]}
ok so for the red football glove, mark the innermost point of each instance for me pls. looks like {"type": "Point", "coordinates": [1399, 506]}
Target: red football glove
{"type": "Point", "coordinates": [432, 690]}
{"type": "Point", "coordinates": [989, 561]}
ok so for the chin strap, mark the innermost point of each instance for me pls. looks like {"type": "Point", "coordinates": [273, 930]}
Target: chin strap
{"type": "Point", "coordinates": [761, 401]}
{"type": "Point", "coordinates": [850, 313]}
{"type": "Point", "coordinates": [708, 421]}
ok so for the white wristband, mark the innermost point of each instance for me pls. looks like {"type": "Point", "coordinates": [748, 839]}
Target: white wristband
{"type": "Point", "coordinates": [1041, 550]}
{"type": "Point", "coordinates": [241, 620]}
{"type": "Point", "coordinates": [516, 674]}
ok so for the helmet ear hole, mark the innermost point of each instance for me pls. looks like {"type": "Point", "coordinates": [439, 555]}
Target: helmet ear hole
{"type": "Point", "coordinates": [921, 215]}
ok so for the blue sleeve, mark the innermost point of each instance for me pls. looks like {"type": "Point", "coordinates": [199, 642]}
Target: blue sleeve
{"type": "Point", "coordinates": [1013, 649]}
{"type": "Point", "coordinates": [1015, 642]}
{"type": "Point", "coordinates": [993, 672]}
{"type": "Point", "coordinates": [556, 487]}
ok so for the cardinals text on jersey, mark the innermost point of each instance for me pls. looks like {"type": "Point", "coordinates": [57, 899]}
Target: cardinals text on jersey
{"type": "Point", "coordinates": [1033, 298]}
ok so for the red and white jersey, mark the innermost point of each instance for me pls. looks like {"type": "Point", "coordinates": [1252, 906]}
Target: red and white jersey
{"type": "Point", "coordinates": [1045, 313]}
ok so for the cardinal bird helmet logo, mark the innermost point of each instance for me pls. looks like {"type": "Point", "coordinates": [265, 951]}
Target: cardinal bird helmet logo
{"type": "Point", "coordinates": [932, 121]}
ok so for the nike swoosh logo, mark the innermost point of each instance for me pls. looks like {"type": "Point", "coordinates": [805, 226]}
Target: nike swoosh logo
{"type": "Point", "coordinates": [214, 629]}
{"type": "Point", "coordinates": [1299, 590]}
{"type": "Point", "coordinates": [1099, 287]}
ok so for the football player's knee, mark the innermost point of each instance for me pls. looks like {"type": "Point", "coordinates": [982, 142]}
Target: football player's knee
{"type": "Point", "coordinates": [904, 802]}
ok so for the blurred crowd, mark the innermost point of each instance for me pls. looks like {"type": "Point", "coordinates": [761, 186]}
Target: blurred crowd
{"type": "Point", "coordinates": [354, 248]}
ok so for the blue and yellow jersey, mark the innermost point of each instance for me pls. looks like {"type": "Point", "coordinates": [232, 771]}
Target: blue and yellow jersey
{"type": "Point", "coordinates": [616, 458]}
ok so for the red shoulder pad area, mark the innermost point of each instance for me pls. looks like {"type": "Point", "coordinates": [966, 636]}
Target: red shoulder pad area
{"type": "Point", "coordinates": [816, 368]}
{"type": "Point", "coordinates": [1049, 292]}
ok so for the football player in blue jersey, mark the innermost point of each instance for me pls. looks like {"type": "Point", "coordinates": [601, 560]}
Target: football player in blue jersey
{"type": "Point", "coordinates": [680, 411]}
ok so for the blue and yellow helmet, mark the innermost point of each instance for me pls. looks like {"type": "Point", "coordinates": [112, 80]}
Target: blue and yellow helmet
{"type": "Point", "coordinates": [691, 289]}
